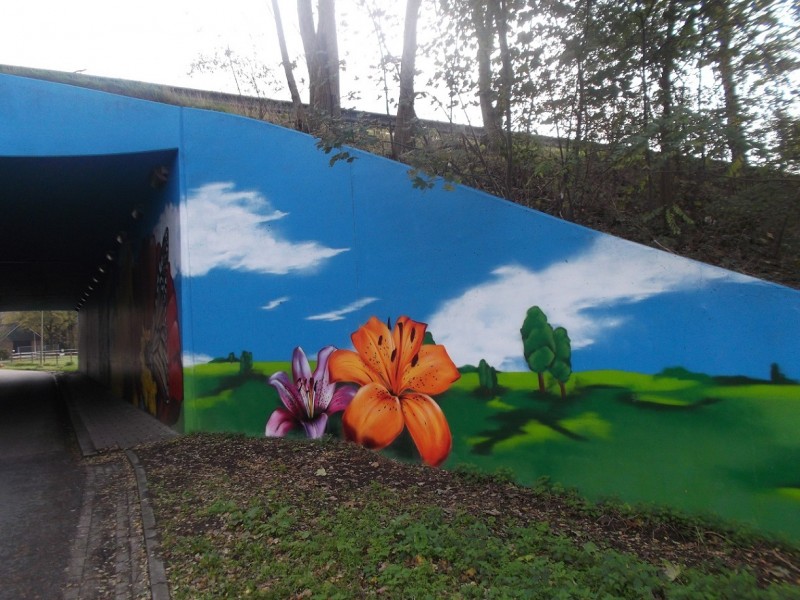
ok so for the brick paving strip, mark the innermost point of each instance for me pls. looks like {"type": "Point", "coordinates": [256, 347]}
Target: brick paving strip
{"type": "Point", "coordinates": [116, 550]}
{"type": "Point", "coordinates": [108, 558]}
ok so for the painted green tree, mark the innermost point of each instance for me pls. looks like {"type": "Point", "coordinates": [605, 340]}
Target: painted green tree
{"type": "Point", "coordinates": [487, 377]}
{"type": "Point", "coordinates": [561, 367]}
{"type": "Point", "coordinates": [546, 349]}
{"type": "Point", "coordinates": [246, 363]}
{"type": "Point", "coordinates": [538, 344]}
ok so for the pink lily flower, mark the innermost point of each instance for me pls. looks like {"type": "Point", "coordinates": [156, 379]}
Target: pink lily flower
{"type": "Point", "coordinates": [308, 398]}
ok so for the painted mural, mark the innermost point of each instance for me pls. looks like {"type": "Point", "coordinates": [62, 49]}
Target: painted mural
{"type": "Point", "coordinates": [160, 346]}
{"type": "Point", "coordinates": [147, 368]}
{"type": "Point", "coordinates": [395, 372]}
{"type": "Point", "coordinates": [453, 328]}
{"type": "Point", "coordinates": [447, 327]}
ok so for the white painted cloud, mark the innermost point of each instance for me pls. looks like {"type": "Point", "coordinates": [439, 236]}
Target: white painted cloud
{"type": "Point", "coordinates": [338, 315]}
{"type": "Point", "coordinates": [230, 230]}
{"type": "Point", "coordinates": [191, 358]}
{"type": "Point", "coordinates": [273, 304]}
{"type": "Point", "coordinates": [484, 322]}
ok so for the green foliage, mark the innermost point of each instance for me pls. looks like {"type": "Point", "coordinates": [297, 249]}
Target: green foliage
{"type": "Point", "coordinates": [674, 217]}
{"type": "Point", "coordinates": [420, 180]}
{"type": "Point", "coordinates": [334, 135]}
{"type": "Point", "coordinates": [424, 179]}
{"type": "Point", "coordinates": [787, 147]}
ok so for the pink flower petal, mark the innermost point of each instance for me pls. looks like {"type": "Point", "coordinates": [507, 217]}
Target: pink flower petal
{"type": "Point", "coordinates": [280, 423]}
{"type": "Point", "coordinates": [288, 393]}
{"type": "Point", "coordinates": [316, 429]}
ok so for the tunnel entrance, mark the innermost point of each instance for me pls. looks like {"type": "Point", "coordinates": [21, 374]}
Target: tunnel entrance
{"type": "Point", "coordinates": [63, 218]}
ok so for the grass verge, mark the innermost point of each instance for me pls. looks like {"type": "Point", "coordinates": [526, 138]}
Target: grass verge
{"type": "Point", "coordinates": [243, 517]}
{"type": "Point", "coordinates": [60, 364]}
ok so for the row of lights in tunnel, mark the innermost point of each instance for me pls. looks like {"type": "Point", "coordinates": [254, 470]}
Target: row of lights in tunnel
{"type": "Point", "coordinates": [105, 266]}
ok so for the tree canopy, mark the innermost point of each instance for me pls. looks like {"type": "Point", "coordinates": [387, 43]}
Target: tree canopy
{"type": "Point", "coordinates": [663, 104]}
{"type": "Point", "coordinates": [59, 326]}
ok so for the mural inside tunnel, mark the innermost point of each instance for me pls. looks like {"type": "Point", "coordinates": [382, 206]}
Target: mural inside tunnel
{"type": "Point", "coordinates": [146, 332]}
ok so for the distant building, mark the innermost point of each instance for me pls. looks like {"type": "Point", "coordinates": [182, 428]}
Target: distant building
{"type": "Point", "coordinates": [14, 336]}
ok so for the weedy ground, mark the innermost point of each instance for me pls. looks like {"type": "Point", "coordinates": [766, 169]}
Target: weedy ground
{"type": "Point", "coordinates": [247, 517]}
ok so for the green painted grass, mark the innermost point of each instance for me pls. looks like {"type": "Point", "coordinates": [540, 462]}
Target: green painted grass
{"type": "Point", "coordinates": [691, 444]}
{"type": "Point", "coordinates": [680, 440]}
{"type": "Point", "coordinates": [218, 399]}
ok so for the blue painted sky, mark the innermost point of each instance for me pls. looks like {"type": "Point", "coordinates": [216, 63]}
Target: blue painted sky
{"type": "Point", "coordinates": [277, 262]}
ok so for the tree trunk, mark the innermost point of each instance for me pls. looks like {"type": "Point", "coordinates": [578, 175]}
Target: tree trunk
{"type": "Point", "coordinates": [644, 49]}
{"type": "Point", "coordinates": [406, 115]}
{"type": "Point", "coordinates": [299, 112]}
{"type": "Point", "coordinates": [580, 102]}
{"type": "Point", "coordinates": [666, 130]}
{"type": "Point", "coordinates": [322, 55]}
{"type": "Point", "coordinates": [507, 77]}
{"type": "Point", "coordinates": [733, 112]}
{"type": "Point", "coordinates": [541, 382]}
{"type": "Point", "coordinates": [326, 32]}
{"type": "Point", "coordinates": [482, 20]}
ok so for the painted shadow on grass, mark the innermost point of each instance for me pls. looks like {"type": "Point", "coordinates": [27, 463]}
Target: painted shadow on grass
{"type": "Point", "coordinates": [543, 408]}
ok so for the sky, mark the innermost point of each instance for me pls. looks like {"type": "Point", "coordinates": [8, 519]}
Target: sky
{"type": "Point", "coordinates": [157, 42]}
{"type": "Point", "coordinates": [624, 305]}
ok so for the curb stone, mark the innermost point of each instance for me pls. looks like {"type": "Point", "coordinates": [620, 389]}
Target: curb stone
{"type": "Point", "coordinates": [158, 575]}
{"type": "Point", "coordinates": [82, 434]}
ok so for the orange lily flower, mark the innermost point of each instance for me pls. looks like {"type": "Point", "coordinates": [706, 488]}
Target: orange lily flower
{"type": "Point", "coordinates": [398, 375]}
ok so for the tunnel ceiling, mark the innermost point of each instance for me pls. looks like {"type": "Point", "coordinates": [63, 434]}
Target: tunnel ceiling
{"type": "Point", "coordinates": [60, 217]}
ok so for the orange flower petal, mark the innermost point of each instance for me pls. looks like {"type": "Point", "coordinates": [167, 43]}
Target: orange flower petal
{"type": "Point", "coordinates": [346, 365]}
{"type": "Point", "coordinates": [408, 336]}
{"type": "Point", "coordinates": [375, 346]}
{"type": "Point", "coordinates": [431, 371]}
{"type": "Point", "coordinates": [373, 418]}
{"type": "Point", "coordinates": [428, 427]}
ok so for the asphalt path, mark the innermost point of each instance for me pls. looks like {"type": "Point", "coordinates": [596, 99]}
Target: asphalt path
{"type": "Point", "coordinates": [41, 483]}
